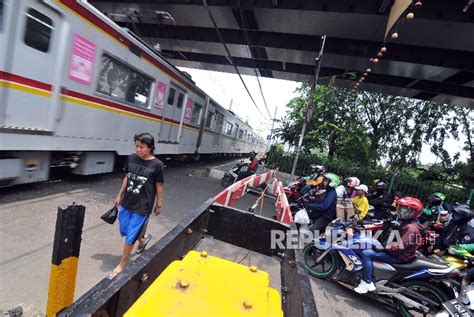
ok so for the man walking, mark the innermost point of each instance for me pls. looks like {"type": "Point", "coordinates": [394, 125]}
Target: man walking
{"type": "Point", "coordinates": [141, 190]}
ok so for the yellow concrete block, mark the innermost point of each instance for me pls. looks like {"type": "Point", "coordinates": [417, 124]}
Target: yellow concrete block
{"type": "Point", "coordinates": [208, 286]}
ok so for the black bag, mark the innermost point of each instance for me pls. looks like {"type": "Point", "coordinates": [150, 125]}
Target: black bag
{"type": "Point", "coordinates": [110, 215]}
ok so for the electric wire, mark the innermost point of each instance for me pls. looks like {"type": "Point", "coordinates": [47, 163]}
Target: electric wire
{"type": "Point", "coordinates": [229, 55]}
{"type": "Point", "coordinates": [244, 30]}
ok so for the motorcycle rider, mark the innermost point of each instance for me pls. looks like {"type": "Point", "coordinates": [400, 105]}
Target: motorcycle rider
{"type": "Point", "coordinates": [393, 205]}
{"type": "Point", "coordinates": [315, 179]}
{"type": "Point", "coordinates": [408, 210]}
{"type": "Point", "coordinates": [251, 167]}
{"type": "Point", "coordinates": [322, 213]}
{"type": "Point", "coordinates": [317, 175]}
{"type": "Point", "coordinates": [434, 207]}
{"type": "Point", "coordinates": [351, 184]}
{"type": "Point", "coordinates": [360, 201]}
{"type": "Point", "coordinates": [457, 231]}
{"type": "Point", "coordinates": [380, 200]}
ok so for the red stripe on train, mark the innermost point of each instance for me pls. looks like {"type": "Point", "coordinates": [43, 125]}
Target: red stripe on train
{"type": "Point", "coordinates": [120, 106]}
{"type": "Point", "coordinates": [25, 81]}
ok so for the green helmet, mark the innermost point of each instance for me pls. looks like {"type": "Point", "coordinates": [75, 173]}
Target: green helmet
{"type": "Point", "coordinates": [440, 196]}
{"type": "Point", "coordinates": [334, 180]}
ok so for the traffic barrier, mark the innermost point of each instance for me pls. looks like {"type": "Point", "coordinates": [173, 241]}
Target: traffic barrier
{"type": "Point", "coordinates": [282, 208]}
{"type": "Point", "coordinates": [234, 192]}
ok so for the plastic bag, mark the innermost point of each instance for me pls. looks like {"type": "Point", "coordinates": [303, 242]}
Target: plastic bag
{"type": "Point", "coordinates": [302, 217]}
{"type": "Point", "coordinates": [110, 216]}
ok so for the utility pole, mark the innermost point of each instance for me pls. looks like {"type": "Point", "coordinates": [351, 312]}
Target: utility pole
{"type": "Point", "coordinates": [273, 124]}
{"type": "Point", "coordinates": [309, 110]}
{"type": "Point", "coordinates": [271, 138]}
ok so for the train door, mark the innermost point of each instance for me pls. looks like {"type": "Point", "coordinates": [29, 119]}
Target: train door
{"type": "Point", "coordinates": [33, 68]}
{"type": "Point", "coordinates": [173, 109]}
{"type": "Point", "coordinates": [236, 135]}
{"type": "Point", "coordinates": [218, 130]}
{"type": "Point", "coordinates": [177, 116]}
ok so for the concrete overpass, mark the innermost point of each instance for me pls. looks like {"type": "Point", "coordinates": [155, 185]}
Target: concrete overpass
{"type": "Point", "coordinates": [432, 59]}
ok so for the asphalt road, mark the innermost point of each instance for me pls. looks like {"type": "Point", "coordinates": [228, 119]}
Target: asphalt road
{"type": "Point", "coordinates": [28, 214]}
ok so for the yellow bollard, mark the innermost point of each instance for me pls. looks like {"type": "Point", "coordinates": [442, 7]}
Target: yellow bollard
{"type": "Point", "coordinates": [67, 243]}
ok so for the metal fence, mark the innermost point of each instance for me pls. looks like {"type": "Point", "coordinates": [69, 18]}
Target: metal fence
{"type": "Point", "coordinates": [401, 182]}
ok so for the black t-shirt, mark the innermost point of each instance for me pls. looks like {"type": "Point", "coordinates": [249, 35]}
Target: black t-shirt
{"type": "Point", "coordinates": [142, 177]}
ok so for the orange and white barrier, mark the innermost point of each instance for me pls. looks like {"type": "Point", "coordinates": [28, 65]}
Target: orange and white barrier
{"type": "Point", "coordinates": [235, 191]}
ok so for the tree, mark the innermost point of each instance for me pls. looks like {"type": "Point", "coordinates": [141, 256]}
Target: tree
{"type": "Point", "coordinates": [330, 125]}
{"type": "Point", "coordinates": [369, 126]}
{"type": "Point", "coordinates": [466, 118]}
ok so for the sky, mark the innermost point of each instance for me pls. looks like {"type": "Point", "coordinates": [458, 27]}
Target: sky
{"type": "Point", "coordinates": [228, 90]}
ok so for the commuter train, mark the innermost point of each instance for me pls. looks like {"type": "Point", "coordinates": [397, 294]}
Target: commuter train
{"type": "Point", "coordinates": [75, 87]}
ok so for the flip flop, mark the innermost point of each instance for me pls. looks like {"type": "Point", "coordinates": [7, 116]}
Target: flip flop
{"type": "Point", "coordinates": [139, 249]}
{"type": "Point", "coordinates": [112, 274]}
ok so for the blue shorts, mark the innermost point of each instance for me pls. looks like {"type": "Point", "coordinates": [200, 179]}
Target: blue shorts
{"type": "Point", "coordinates": [132, 225]}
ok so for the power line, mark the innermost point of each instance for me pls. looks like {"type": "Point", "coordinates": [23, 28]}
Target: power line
{"type": "Point", "coordinates": [229, 55]}
{"type": "Point", "coordinates": [209, 74]}
{"type": "Point", "coordinates": [244, 29]}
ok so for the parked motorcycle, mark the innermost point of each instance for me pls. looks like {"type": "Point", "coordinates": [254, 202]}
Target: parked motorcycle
{"type": "Point", "coordinates": [231, 175]}
{"type": "Point", "coordinates": [417, 287]}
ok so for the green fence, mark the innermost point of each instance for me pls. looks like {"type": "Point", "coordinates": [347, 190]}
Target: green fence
{"type": "Point", "coordinates": [406, 184]}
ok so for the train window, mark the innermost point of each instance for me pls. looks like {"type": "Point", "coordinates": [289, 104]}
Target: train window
{"type": "Point", "coordinates": [121, 82]}
{"type": "Point", "coordinates": [171, 96]}
{"type": "Point", "coordinates": [1, 15]}
{"type": "Point", "coordinates": [38, 30]}
{"type": "Point", "coordinates": [196, 113]}
{"type": "Point", "coordinates": [228, 128]}
{"type": "Point", "coordinates": [210, 116]}
{"type": "Point", "coordinates": [219, 122]}
{"type": "Point", "coordinates": [179, 105]}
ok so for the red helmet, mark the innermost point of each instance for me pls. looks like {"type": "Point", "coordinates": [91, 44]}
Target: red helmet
{"type": "Point", "coordinates": [409, 208]}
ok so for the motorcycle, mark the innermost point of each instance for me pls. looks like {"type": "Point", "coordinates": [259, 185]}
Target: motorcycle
{"type": "Point", "coordinates": [421, 286]}
{"type": "Point", "coordinates": [231, 175]}
{"type": "Point", "coordinates": [460, 306]}
{"type": "Point", "coordinates": [293, 190]}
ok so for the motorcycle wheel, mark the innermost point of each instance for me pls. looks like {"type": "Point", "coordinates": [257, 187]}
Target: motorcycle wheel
{"type": "Point", "coordinates": [428, 290]}
{"type": "Point", "coordinates": [226, 181]}
{"type": "Point", "coordinates": [328, 265]}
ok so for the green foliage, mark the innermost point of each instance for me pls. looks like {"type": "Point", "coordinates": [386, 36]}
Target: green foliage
{"type": "Point", "coordinates": [412, 182]}
{"type": "Point", "coordinates": [351, 133]}
{"type": "Point", "coordinates": [370, 126]}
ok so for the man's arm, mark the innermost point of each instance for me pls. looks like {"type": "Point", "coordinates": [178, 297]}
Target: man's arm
{"type": "Point", "coordinates": [331, 196]}
{"type": "Point", "coordinates": [159, 198]}
{"type": "Point", "coordinates": [118, 200]}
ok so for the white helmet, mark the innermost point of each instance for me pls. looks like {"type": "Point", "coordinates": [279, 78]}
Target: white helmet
{"type": "Point", "coordinates": [353, 181]}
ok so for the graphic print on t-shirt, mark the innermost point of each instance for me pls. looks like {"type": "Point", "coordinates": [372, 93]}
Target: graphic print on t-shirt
{"type": "Point", "coordinates": [137, 177]}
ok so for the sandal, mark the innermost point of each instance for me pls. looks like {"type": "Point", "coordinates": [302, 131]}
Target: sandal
{"type": "Point", "coordinates": [140, 249]}
{"type": "Point", "coordinates": [112, 274]}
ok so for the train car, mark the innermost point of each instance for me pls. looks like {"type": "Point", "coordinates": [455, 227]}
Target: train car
{"type": "Point", "coordinates": [75, 87]}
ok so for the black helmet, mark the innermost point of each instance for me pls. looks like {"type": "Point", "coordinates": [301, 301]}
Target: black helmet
{"type": "Point", "coordinates": [318, 169]}
{"type": "Point", "coordinates": [437, 199]}
{"type": "Point", "coordinates": [463, 211]}
{"type": "Point", "coordinates": [381, 185]}
{"type": "Point", "coordinates": [252, 155]}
